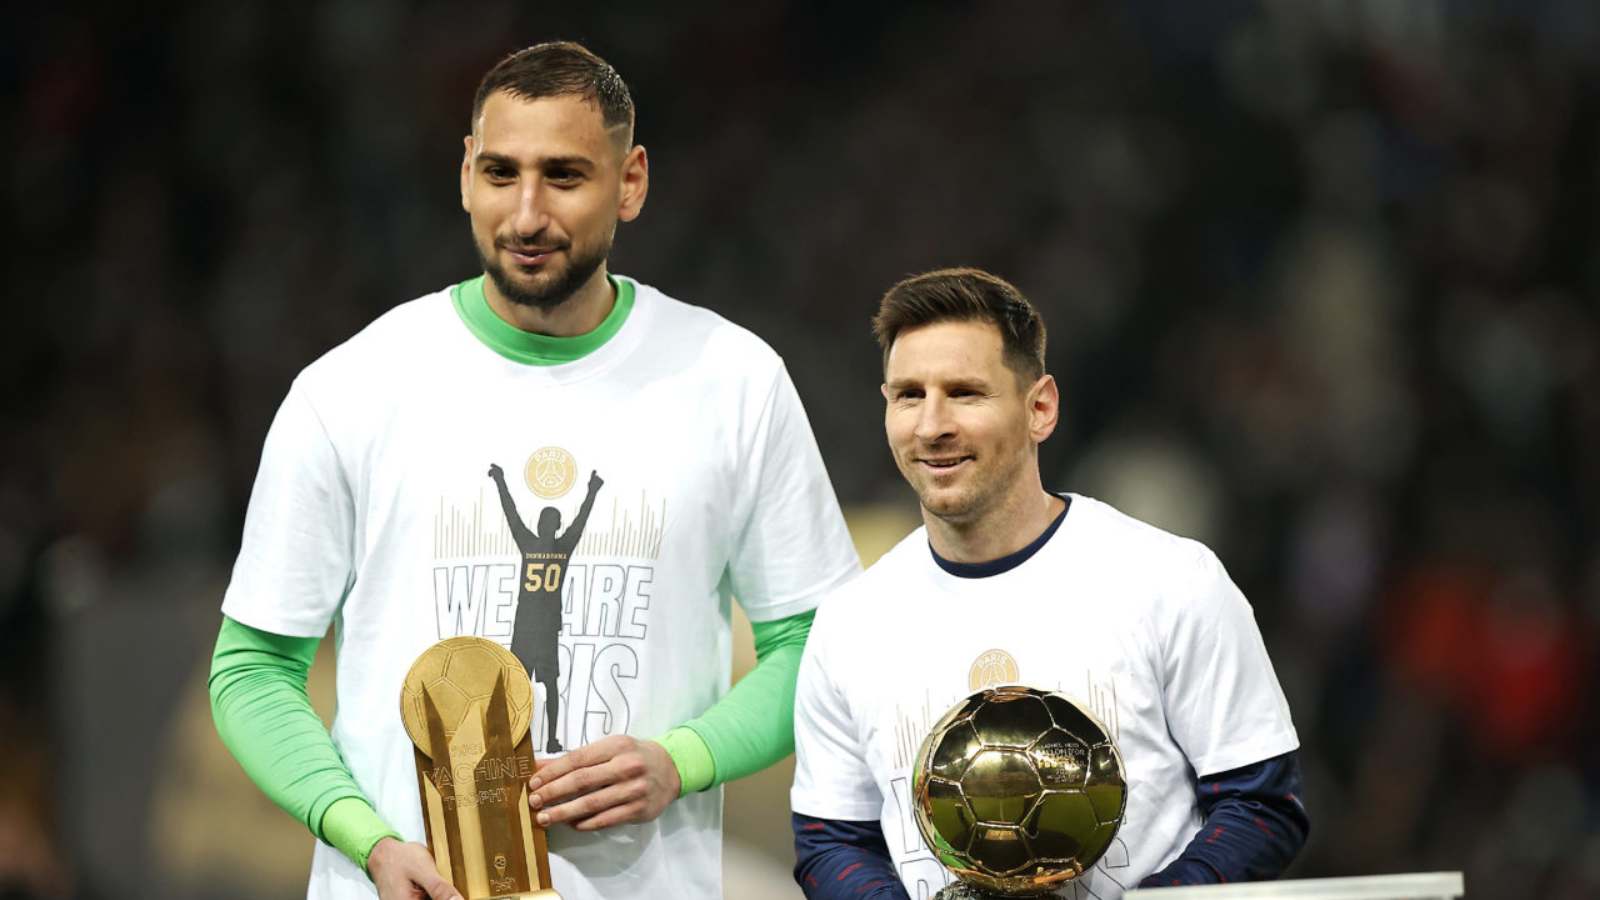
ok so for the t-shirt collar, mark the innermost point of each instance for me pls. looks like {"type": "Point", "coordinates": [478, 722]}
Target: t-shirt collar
{"type": "Point", "coordinates": [526, 347]}
{"type": "Point", "coordinates": [1008, 562]}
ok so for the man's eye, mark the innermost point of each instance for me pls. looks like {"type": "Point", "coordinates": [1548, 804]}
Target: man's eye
{"type": "Point", "coordinates": [499, 173]}
{"type": "Point", "coordinates": [564, 177]}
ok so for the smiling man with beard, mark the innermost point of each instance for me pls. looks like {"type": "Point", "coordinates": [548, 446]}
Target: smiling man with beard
{"type": "Point", "coordinates": [1008, 582]}
{"type": "Point", "coordinates": [369, 514]}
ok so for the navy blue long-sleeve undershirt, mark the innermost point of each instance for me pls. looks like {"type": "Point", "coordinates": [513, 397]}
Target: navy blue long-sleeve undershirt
{"type": "Point", "coordinates": [1254, 824]}
{"type": "Point", "coordinates": [840, 858]}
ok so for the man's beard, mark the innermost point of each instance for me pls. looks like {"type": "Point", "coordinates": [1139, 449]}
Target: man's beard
{"type": "Point", "coordinates": [977, 498]}
{"type": "Point", "coordinates": [553, 293]}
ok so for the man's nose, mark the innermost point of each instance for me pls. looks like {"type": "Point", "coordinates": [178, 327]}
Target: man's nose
{"type": "Point", "coordinates": [934, 420]}
{"type": "Point", "coordinates": [531, 216]}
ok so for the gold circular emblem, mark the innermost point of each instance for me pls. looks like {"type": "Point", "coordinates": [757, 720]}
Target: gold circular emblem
{"type": "Point", "coordinates": [456, 676]}
{"type": "Point", "coordinates": [550, 472]}
{"type": "Point", "coordinates": [992, 668]}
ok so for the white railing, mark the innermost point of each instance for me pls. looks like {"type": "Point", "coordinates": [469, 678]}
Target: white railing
{"type": "Point", "coordinates": [1415, 886]}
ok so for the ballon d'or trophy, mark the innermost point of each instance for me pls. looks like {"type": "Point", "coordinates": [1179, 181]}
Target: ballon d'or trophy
{"type": "Point", "coordinates": [1017, 791]}
{"type": "Point", "coordinates": [466, 704]}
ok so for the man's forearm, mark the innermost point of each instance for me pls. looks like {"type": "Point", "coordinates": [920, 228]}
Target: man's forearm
{"type": "Point", "coordinates": [507, 505]}
{"type": "Point", "coordinates": [264, 717]}
{"type": "Point", "coordinates": [753, 726]}
{"type": "Point", "coordinates": [1254, 825]}
{"type": "Point", "coordinates": [837, 859]}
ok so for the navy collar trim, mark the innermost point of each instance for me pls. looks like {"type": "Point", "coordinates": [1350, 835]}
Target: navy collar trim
{"type": "Point", "coordinates": [1010, 560]}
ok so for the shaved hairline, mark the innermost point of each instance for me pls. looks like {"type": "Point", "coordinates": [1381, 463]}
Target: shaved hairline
{"type": "Point", "coordinates": [620, 135]}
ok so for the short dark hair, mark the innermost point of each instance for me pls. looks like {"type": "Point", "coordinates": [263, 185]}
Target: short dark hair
{"type": "Point", "coordinates": [558, 69]}
{"type": "Point", "coordinates": [965, 295]}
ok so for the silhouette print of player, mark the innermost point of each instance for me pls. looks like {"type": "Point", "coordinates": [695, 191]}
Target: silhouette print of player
{"type": "Point", "coordinates": [544, 568]}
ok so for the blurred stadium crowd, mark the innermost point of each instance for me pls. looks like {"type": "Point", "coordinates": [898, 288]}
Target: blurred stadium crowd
{"type": "Point", "coordinates": [1322, 281]}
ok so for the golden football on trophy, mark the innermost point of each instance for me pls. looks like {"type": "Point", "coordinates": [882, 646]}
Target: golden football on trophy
{"type": "Point", "coordinates": [1017, 791]}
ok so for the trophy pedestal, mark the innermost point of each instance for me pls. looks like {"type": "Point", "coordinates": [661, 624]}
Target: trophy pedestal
{"type": "Point", "coordinates": [962, 891]}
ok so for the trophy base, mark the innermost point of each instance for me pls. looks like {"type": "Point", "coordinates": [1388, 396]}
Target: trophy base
{"type": "Point", "coordinates": [535, 895]}
{"type": "Point", "coordinates": [962, 891]}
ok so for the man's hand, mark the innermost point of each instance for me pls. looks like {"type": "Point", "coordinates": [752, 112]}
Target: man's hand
{"type": "Point", "coordinates": [404, 871]}
{"type": "Point", "coordinates": [595, 480]}
{"type": "Point", "coordinates": [496, 472]}
{"type": "Point", "coordinates": [613, 781]}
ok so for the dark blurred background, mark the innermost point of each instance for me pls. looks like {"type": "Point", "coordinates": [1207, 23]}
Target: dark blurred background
{"type": "Point", "coordinates": [1321, 280]}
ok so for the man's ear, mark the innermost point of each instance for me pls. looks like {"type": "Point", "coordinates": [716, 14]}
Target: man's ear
{"type": "Point", "coordinates": [635, 184]}
{"type": "Point", "coordinates": [1044, 408]}
{"type": "Point", "coordinates": [466, 173]}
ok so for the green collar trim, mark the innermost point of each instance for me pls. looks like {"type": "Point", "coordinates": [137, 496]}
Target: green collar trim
{"type": "Point", "coordinates": [535, 349]}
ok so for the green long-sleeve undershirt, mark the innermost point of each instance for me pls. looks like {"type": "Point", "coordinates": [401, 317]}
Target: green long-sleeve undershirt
{"type": "Point", "coordinates": [264, 716]}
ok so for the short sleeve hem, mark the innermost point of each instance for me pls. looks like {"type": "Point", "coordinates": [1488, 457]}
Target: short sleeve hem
{"type": "Point", "coordinates": [259, 617]}
{"type": "Point", "coordinates": [771, 612]}
{"type": "Point", "coordinates": [1238, 755]}
{"type": "Point", "coordinates": [820, 808]}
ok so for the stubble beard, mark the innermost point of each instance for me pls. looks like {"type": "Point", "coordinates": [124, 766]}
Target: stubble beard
{"type": "Point", "coordinates": [555, 291]}
{"type": "Point", "coordinates": [957, 509]}
{"type": "Point", "coordinates": [970, 501]}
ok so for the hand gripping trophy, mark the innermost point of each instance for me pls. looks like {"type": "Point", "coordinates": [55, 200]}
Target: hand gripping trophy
{"type": "Point", "coordinates": [1017, 791]}
{"type": "Point", "coordinates": [466, 704]}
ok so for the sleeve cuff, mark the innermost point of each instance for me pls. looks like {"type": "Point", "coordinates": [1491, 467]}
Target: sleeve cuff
{"type": "Point", "coordinates": [697, 770]}
{"type": "Point", "coordinates": [353, 827]}
{"type": "Point", "coordinates": [1257, 750]}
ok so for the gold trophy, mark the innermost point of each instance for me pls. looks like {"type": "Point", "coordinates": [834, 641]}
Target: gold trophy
{"type": "Point", "coordinates": [1017, 791]}
{"type": "Point", "coordinates": [466, 704]}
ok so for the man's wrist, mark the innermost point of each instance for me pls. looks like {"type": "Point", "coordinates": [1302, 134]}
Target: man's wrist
{"type": "Point", "coordinates": [697, 770]}
{"type": "Point", "coordinates": [1183, 872]}
{"type": "Point", "coordinates": [380, 848]}
{"type": "Point", "coordinates": [355, 829]}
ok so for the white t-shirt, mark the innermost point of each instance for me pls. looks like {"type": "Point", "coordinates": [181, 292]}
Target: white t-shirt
{"type": "Point", "coordinates": [1143, 628]}
{"type": "Point", "coordinates": [373, 510]}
